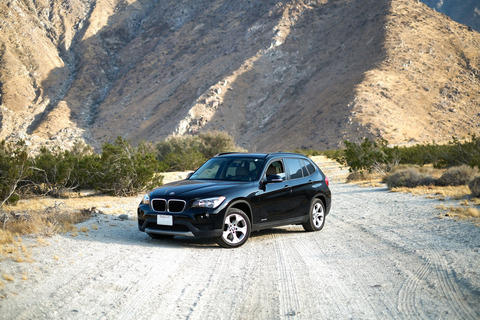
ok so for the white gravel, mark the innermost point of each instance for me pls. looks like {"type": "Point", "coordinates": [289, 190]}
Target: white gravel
{"type": "Point", "coordinates": [381, 255]}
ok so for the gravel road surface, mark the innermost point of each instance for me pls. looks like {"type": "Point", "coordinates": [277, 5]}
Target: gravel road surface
{"type": "Point", "coordinates": [381, 255]}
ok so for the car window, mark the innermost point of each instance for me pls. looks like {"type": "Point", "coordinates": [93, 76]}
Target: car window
{"type": "Point", "coordinates": [310, 166]}
{"type": "Point", "coordinates": [294, 168]}
{"type": "Point", "coordinates": [276, 167]}
{"type": "Point", "coordinates": [209, 170]}
{"type": "Point", "coordinates": [236, 169]}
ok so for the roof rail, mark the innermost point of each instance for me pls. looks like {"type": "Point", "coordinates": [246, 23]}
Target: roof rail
{"type": "Point", "coordinates": [224, 153]}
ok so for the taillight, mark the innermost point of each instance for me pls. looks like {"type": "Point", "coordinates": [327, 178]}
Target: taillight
{"type": "Point", "coordinates": [327, 181]}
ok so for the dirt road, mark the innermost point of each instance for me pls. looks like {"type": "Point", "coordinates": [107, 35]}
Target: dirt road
{"type": "Point", "coordinates": [381, 255]}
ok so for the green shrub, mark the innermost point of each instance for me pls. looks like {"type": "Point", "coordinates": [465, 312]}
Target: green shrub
{"type": "Point", "coordinates": [14, 169]}
{"type": "Point", "coordinates": [422, 154]}
{"type": "Point", "coordinates": [180, 153]}
{"type": "Point", "coordinates": [409, 178]}
{"type": "Point", "coordinates": [51, 171]}
{"type": "Point", "coordinates": [189, 152]}
{"type": "Point", "coordinates": [214, 142]}
{"type": "Point", "coordinates": [125, 170]}
{"type": "Point", "coordinates": [467, 152]}
{"type": "Point", "coordinates": [474, 186]}
{"type": "Point", "coordinates": [369, 156]}
{"type": "Point", "coordinates": [457, 176]}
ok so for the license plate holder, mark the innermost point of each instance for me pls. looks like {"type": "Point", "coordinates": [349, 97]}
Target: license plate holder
{"type": "Point", "coordinates": [164, 220]}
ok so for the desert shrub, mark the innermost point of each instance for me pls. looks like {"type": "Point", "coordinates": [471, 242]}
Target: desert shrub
{"type": "Point", "coordinates": [14, 168]}
{"type": "Point", "coordinates": [409, 178]}
{"type": "Point", "coordinates": [454, 153]}
{"type": "Point", "coordinates": [467, 152]}
{"type": "Point", "coordinates": [180, 153]}
{"type": "Point", "coordinates": [54, 170]}
{"type": "Point", "coordinates": [474, 186]}
{"type": "Point", "coordinates": [189, 152]}
{"type": "Point", "coordinates": [51, 170]}
{"type": "Point", "coordinates": [369, 156]}
{"type": "Point", "coordinates": [214, 142]}
{"type": "Point", "coordinates": [126, 170]}
{"type": "Point", "coordinates": [422, 154]}
{"type": "Point", "coordinates": [457, 176]}
{"type": "Point", "coordinates": [356, 176]}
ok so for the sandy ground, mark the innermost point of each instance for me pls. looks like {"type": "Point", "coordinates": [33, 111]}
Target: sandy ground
{"type": "Point", "coordinates": [381, 255]}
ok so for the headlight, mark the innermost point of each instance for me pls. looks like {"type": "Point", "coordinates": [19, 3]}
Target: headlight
{"type": "Point", "coordinates": [211, 203]}
{"type": "Point", "coordinates": [146, 199]}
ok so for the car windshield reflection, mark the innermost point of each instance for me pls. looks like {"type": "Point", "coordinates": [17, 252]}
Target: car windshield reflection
{"type": "Point", "coordinates": [230, 169]}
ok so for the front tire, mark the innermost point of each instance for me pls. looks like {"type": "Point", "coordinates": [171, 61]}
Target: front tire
{"type": "Point", "coordinates": [236, 229]}
{"type": "Point", "coordinates": [316, 219]}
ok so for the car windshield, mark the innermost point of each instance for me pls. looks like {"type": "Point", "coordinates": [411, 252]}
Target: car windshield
{"type": "Point", "coordinates": [228, 168]}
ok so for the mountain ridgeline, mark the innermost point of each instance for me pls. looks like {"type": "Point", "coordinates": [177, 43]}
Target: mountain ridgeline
{"type": "Point", "coordinates": [276, 75]}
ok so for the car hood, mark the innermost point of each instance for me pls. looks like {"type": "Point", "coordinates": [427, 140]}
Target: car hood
{"type": "Point", "coordinates": [196, 189]}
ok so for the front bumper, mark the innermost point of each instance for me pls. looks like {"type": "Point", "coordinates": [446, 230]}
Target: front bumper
{"type": "Point", "coordinates": [193, 222]}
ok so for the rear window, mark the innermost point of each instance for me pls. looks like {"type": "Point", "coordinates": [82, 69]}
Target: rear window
{"type": "Point", "coordinates": [310, 166]}
{"type": "Point", "coordinates": [294, 168]}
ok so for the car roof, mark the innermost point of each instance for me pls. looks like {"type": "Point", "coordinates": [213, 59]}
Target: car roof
{"type": "Point", "coordinates": [259, 155]}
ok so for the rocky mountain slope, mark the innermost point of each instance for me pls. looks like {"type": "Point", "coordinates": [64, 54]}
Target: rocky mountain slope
{"type": "Point", "coordinates": [274, 74]}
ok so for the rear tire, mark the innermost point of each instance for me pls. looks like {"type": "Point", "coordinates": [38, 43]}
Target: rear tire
{"type": "Point", "coordinates": [316, 219]}
{"type": "Point", "coordinates": [236, 229]}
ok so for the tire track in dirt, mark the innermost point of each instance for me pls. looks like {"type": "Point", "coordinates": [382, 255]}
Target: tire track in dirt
{"type": "Point", "coordinates": [360, 272]}
{"type": "Point", "coordinates": [426, 268]}
{"type": "Point", "coordinates": [288, 292]}
{"type": "Point", "coordinates": [448, 286]}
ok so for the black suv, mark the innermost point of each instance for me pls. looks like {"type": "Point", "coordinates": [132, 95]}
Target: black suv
{"type": "Point", "coordinates": [233, 194]}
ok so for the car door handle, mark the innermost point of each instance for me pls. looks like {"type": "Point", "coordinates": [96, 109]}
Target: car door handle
{"type": "Point", "coordinates": [286, 187]}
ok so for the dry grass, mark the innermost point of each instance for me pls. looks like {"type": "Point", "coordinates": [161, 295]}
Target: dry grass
{"type": "Point", "coordinates": [48, 216]}
{"type": "Point", "coordinates": [462, 213]}
{"type": "Point", "coordinates": [8, 277]}
{"type": "Point", "coordinates": [441, 193]}
{"type": "Point", "coordinates": [46, 222]}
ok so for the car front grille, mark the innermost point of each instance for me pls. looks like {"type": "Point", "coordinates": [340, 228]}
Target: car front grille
{"type": "Point", "coordinates": [159, 205]}
{"type": "Point", "coordinates": [172, 205]}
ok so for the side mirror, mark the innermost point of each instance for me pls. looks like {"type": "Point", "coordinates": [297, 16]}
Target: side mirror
{"type": "Point", "coordinates": [274, 178]}
{"type": "Point", "coordinates": [190, 174]}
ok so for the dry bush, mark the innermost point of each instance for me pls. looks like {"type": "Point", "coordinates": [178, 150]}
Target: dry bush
{"type": "Point", "coordinates": [356, 176]}
{"type": "Point", "coordinates": [457, 176]}
{"type": "Point", "coordinates": [474, 186]}
{"type": "Point", "coordinates": [409, 178]}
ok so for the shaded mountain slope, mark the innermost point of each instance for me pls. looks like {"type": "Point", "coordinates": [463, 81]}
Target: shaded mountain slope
{"type": "Point", "coordinates": [276, 75]}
